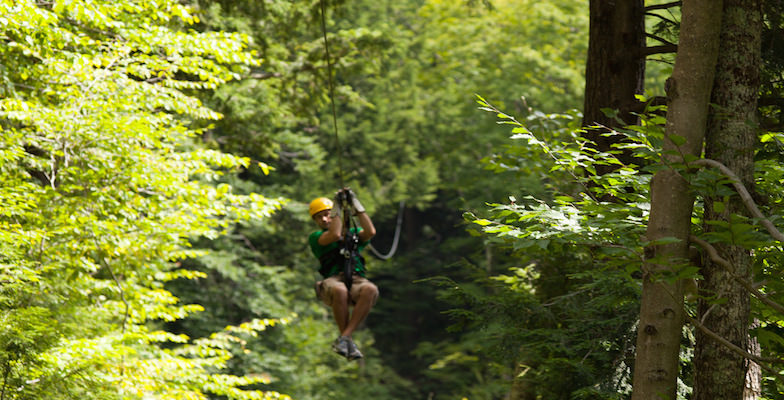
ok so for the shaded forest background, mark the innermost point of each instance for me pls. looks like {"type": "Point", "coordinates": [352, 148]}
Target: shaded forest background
{"type": "Point", "coordinates": [158, 160]}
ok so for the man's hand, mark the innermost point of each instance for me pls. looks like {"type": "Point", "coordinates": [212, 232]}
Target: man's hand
{"type": "Point", "coordinates": [355, 201]}
{"type": "Point", "coordinates": [337, 210]}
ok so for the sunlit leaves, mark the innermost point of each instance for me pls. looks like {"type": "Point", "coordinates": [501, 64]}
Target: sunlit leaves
{"type": "Point", "coordinates": [607, 219]}
{"type": "Point", "coordinates": [103, 186]}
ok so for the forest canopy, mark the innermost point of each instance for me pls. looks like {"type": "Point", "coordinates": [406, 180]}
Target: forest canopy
{"type": "Point", "coordinates": [517, 157]}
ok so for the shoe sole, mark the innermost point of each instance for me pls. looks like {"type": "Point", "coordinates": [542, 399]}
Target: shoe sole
{"type": "Point", "coordinates": [355, 356]}
{"type": "Point", "coordinates": [338, 351]}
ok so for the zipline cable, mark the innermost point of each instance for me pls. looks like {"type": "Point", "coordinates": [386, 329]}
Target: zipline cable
{"type": "Point", "coordinates": [395, 240]}
{"type": "Point", "coordinates": [331, 92]}
{"type": "Point", "coordinates": [340, 150]}
{"type": "Point", "coordinates": [349, 245]}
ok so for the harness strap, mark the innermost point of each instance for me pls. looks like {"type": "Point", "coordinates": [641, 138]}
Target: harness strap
{"type": "Point", "coordinates": [333, 258]}
{"type": "Point", "coordinates": [350, 240]}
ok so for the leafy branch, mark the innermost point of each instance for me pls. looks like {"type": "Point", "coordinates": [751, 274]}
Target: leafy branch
{"type": "Point", "coordinates": [716, 258]}
{"type": "Point", "coordinates": [762, 362]}
{"type": "Point", "coordinates": [520, 129]}
{"type": "Point", "coordinates": [745, 196]}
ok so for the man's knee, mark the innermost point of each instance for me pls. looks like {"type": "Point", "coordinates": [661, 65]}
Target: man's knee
{"type": "Point", "coordinates": [333, 292]}
{"type": "Point", "coordinates": [340, 292]}
{"type": "Point", "coordinates": [369, 291]}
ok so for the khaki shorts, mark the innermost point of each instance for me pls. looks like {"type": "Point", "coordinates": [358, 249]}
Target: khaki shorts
{"type": "Point", "coordinates": [324, 289]}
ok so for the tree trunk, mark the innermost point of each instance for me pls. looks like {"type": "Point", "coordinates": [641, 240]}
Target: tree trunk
{"type": "Point", "coordinates": [753, 386]}
{"type": "Point", "coordinates": [730, 139]}
{"type": "Point", "coordinates": [521, 389]}
{"type": "Point", "coordinates": [661, 308]}
{"type": "Point", "coordinates": [615, 68]}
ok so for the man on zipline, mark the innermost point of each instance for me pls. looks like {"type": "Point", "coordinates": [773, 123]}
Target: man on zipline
{"type": "Point", "coordinates": [326, 245]}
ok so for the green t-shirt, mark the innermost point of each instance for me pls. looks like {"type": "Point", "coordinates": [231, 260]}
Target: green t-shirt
{"type": "Point", "coordinates": [334, 265]}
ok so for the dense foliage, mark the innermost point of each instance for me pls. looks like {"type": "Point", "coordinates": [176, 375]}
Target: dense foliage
{"type": "Point", "coordinates": [102, 187]}
{"type": "Point", "coordinates": [397, 128]}
{"type": "Point", "coordinates": [157, 159]}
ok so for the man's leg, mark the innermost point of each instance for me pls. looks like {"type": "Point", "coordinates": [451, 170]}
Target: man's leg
{"type": "Point", "coordinates": [364, 297]}
{"type": "Point", "coordinates": [368, 293]}
{"type": "Point", "coordinates": [340, 306]}
{"type": "Point", "coordinates": [334, 294]}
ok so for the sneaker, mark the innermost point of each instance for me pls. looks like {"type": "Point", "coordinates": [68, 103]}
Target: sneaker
{"type": "Point", "coordinates": [353, 351]}
{"type": "Point", "coordinates": [341, 345]}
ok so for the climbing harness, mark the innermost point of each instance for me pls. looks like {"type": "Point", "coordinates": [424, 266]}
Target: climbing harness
{"type": "Point", "coordinates": [350, 249]}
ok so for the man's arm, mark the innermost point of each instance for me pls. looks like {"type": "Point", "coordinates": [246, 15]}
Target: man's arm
{"type": "Point", "coordinates": [332, 234]}
{"type": "Point", "coordinates": [368, 230]}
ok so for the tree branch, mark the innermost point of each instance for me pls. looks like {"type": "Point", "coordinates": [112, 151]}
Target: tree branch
{"type": "Point", "coordinates": [663, 6]}
{"type": "Point", "coordinates": [770, 101]}
{"type": "Point", "coordinates": [735, 349]}
{"type": "Point", "coordinates": [264, 75]}
{"type": "Point", "coordinates": [661, 60]}
{"type": "Point", "coordinates": [122, 295]}
{"type": "Point", "coordinates": [639, 106]}
{"type": "Point", "coordinates": [651, 50]}
{"type": "Point", "coordinates": [716, 258]}
{"type": "Point", "coordinates": [119, 285]}
{"type": "Point", "coordinates": [661, 39]}
{"type": "Point", "coordinates": [663, 18]}
{"type": "Point", "coordinates": [744, 195]}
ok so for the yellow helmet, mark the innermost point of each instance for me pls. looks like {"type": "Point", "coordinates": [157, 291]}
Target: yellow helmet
{"type": "Point", "coordinates": [320, 204]}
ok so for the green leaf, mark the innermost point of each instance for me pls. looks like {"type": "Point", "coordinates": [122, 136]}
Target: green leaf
{"type": "Point", "coordinates": [661, 241]}
{"type": "Point", "coordinates": [265, 168]}
{"type": "Point", "coordinates": [678, 140]}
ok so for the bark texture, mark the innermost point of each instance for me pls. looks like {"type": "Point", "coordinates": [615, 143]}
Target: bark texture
{"type": "Point", "coordinates": [521, 389]}
{"type": "Point", "coordinates": [615, 67]}
{"type": "Point", "coordinates": [730, 139]}
{"type": "Point", "coordinates": [753, 386]}
{"type": "Point", "coordinates": [661, 309]}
